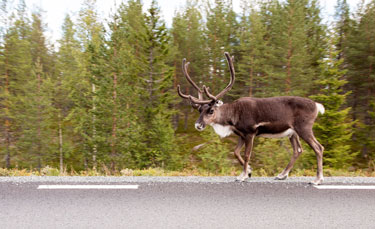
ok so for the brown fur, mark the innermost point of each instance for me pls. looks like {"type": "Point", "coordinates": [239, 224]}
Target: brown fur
{"type": "Point", "coordinates": [250, 117]}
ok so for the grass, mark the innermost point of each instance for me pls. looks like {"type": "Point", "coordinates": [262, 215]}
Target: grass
{"type": "Point", "coordinates": [49, 171]}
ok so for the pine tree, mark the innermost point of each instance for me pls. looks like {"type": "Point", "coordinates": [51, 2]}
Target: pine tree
{"type": "Point", "coordinates": [252, 68]}
{"type": "Point", "coordinates": [31, 93]}
{"type": "Point", "coordinates": [118, 99]}
{"type": "Point", "coordinates": [84, 114]}
{"type": "Point", "coordinates": [335, 128]}
{"type": "Point", "coordinates": [107, 98]}
{"type": "Point", "coordinates": [37, 98]}
{"type": "Point", "coordinates": [128, 38]}
{"type": "Point", "coordinates": [316, 36]}
{"type": "Point", "coordinates": [158, 94]}
{"type": "Point", "coordinates": [68, 70]}
{"type": "Point", "coordinates": [39, 47]}
{"type": "Point", "coordinates": [189, 43]}
{"type": "Point", "coordinates": [36, 140]}
{"type": "Point", "coordinates": [342, 26]}
{"type": "Point", "coordinates": [16, 71]}
{"type": "Point", "coordinates": [360, 62]}
{"type": "Point", "coordinates": [296, 40]}
{"type": "Point", "coordinates": [221, 37]}
{"type": "Point", "coordinates": [5, 93]}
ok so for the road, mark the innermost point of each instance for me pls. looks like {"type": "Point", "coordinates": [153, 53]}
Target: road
{"type": "Point", "coordinates": [190, 202]}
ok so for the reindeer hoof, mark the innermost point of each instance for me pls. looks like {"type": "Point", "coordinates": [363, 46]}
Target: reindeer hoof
{"type": "Point", "coordinates": [239, 180]}
{"type": "Point", "coordinates": [249, 170]}
{"type": "Point", "coordinates": [241, 177]}
{"type": "Point", "coordinates": [281, 177]}
{"type": "Point", "coordinates": [316, 182]}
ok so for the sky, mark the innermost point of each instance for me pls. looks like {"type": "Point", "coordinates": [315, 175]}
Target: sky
{"type": "Point", "coordinates": [55, 10]}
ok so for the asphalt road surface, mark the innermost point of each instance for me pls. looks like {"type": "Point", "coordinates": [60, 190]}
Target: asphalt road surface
{"type": "Point", "coordinates": [185, 202]}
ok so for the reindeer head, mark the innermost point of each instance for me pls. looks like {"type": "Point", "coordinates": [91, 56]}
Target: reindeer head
{"type": "Point", "coordinates": [209, 109]}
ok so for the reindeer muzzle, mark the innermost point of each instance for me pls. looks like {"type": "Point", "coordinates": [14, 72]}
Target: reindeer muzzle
{"type": "Point", "coordinates": [199, 126]}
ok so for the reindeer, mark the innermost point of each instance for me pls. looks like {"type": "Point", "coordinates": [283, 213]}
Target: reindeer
{"type": "Point", "coordinates": [247, 117]}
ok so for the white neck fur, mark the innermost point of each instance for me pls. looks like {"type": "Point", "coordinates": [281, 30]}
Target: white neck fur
{"type": "Point", "coordinates": [222, 131]}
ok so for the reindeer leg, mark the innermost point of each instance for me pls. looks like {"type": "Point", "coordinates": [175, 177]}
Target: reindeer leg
{"type": "Point", "coordinates": [318, 148]}
{"type": "Point", "coordinates": [297, 150]}
{"type": "Point", "coordinates": [249, 139]}
{"type": "Point", "coordinates": [237, 152]}
{"type": "Point", "coordinates": [309, 138]}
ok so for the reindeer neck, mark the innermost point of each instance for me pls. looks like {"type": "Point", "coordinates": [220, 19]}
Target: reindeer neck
{"type": "Point", "coordinates": [225, 115]}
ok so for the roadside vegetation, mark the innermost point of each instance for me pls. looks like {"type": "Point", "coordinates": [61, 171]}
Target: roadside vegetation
{"type": "Point", "coordinates": [48, 171]}
{"type": "Point", "coordinates": [102, 100]}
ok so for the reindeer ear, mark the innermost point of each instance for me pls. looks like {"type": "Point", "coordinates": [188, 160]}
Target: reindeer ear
{"type": "Point", "coordinates": [218, 103]}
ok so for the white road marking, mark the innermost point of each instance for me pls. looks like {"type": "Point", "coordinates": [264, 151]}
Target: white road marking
{"type": "Point", "coordinates": [352, 187]}
{"type": "Point", "coordinates": [88, 186]}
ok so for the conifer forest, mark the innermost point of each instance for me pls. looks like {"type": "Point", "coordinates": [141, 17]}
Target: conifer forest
{"type": "Point", "coordinates": [103, 96]}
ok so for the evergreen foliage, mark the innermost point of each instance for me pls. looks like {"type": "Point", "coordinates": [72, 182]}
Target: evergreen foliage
{"type": "Point", "coordinates": [359, 52]}
{"type": "Point", "coordinates": [158, 95]}
{"type": "Point", "coordinates": [335, 128]}
{"type": "Point", "coordinates": [220, 35]}
{"type": "Point", "coordinates": [254, 51]}
{"type": "Point", "coordinates": [189, 42]}
{"type": "Point", "coordinates": [104, 97]}
{"type": "Point", "coordinates": [62, 98]}
{"type": "Point", "coordinates": [213, 156]}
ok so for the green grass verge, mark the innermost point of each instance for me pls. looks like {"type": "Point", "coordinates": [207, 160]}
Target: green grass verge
{"type": "Point", "coordinates": [49, 171]}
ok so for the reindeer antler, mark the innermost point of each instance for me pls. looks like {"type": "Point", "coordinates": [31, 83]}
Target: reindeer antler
{"type": "Point", "coordinates": [231, 82]}
{"type": "Point", "coordinates": [195, 102]}
{"type": "Point", "coordinates": [186, 74]}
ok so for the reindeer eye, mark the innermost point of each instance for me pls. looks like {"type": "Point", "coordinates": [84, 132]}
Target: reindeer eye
{"type": "Point", "coordinates": [211, 111]}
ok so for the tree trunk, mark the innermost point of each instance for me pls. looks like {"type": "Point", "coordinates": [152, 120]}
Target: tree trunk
{"type": "Point", "coordinates": [151, 69]}
{"type": "Point", "coordinates": [251, 78]}
{"type": "Point", "coordinates": [288, 79]}
{"type": "Point", "coordinates": [85, 164]}
{"type": "Point", "coordinates": [61, 145]}
{"type": "Point", "coordinates": [175, 117]}
{"type": "Point", "coordinates": [7, 122]}
{"type": "Point", "coordinates": [94, 150]}
{"type": "Point", "coordinates": [39, 130]}
{"type": "Point", "coordinates": [7, 159]}
{"type": "Point", "coordinates": [114, 121]}
{"type": "Point", "coordinates": [186, 119]}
